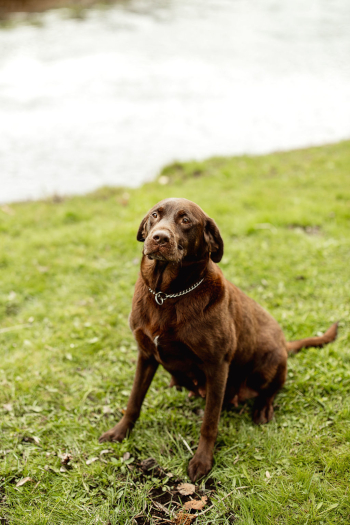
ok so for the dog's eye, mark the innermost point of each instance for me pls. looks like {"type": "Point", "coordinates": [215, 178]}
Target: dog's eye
{"type": "Point", "coordinates": [154, 215]}
{"type": "Point", "coordinates": [185, 220]}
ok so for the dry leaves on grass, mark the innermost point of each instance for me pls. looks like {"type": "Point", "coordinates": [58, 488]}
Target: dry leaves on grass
{"type": "Point", "coordinates": [196, 504]}
{"type": "Point", "coordinates": [106, 451]}
{"type": "Point", "coordinates": [186, 489]}
{"type": "Point", "coordinates": [180, 504]}
{"type": "Point", "coordinates": [66, 458]}
{"type": "Point", "coordinates": [23, 481]}
{"type": "Point", "coordinates": [91, 460]}
{"type": "Point", "coordinates": [182, 518]}
{"type": "Point", "coordinates": [31, 439]}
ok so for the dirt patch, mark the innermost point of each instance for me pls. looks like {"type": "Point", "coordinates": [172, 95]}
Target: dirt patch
{"type": "Point", "coordinates": [167, 504]}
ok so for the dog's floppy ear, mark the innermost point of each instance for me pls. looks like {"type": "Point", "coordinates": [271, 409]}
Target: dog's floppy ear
{"type": "Point", "coordinates": [214, 240]}
{"type": "Point", "coordinates": [143, 229]}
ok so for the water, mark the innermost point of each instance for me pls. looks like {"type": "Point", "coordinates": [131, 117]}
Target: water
{"type": "Point", "coordinates": [112, 98]}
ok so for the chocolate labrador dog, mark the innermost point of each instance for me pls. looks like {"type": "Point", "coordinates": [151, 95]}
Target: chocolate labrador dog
{"type": "Point", "coordinates": [213, 339]}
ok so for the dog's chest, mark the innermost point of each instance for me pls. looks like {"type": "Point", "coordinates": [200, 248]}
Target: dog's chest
{"type": "Point", "coordinates": [174, 355]}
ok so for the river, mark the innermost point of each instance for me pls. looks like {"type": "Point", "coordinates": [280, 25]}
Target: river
{"type": "Point", "coordinates": [110, 99]}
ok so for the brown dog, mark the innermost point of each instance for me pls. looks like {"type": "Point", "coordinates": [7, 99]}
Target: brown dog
{"type": "Point", "coordinates": [211, 337]}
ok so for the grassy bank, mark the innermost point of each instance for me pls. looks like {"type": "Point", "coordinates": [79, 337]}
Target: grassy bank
{"type": "Point", "coordinates": [67, 269]}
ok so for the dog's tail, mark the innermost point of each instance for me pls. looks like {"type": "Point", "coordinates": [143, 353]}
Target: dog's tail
{"type": "Point", "coordinates": [330, 335]}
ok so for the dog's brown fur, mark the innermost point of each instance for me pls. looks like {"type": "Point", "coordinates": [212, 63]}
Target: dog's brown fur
{"type": "Point", "coordinates": [215, 341]}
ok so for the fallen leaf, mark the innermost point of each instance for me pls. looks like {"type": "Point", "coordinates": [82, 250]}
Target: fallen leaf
{"type": "Point", "coordinates": [91, 460]}
{"type": "Point", "coordinates": [106, 451]}
{"type": "Point", "coordinates": [186, 489]}
{"type": "Point", "coordinates": [126, 456]}
{"type": "Point", "coordinates": [31, 439]}
{"type": "Point", "coordinates": [184, 519]}
{"type": "Point", "coordinates": [107, 410]}
{"type": "Point", "coordinates": [125, 393]}
{"type": "Point", "coordinates": [23, 481]}
{"type": "Point", "coordinates": [8, 407]}
{"type": "Point", "coordinates": [196, 504]}
{"type": "Point", "coordinates": [63, 469]}
{"type": "Point", "coordinates": [268, 475]}
{"type": "Point", "coordinates": [65, 458]}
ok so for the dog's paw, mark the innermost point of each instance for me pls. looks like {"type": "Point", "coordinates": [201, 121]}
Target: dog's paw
{"type": "Point", "coordinates": [199, 466]}
{"type": "Point", "coordinates": [116, 433]}
{"type": "Point", "coordinates": [263, 415]}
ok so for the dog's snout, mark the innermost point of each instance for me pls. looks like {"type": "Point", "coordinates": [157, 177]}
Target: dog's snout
{"type": "Point", "coordinates": [161, 237]}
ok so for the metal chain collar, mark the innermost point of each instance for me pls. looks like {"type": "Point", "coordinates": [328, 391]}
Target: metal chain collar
{"type": "Point", "coordinates": [160, 297]}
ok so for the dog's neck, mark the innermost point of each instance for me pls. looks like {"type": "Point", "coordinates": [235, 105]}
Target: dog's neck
{"type": "Point", "coordinates": [171, 277]}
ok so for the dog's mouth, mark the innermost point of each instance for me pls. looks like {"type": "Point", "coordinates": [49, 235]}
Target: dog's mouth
{"type": "Point", "coordinates": [156, 256]}
{"type": "Point", "coordinates": [169, 252]}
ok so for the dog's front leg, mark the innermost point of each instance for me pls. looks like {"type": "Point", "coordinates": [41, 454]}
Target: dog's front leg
{"type": "Point", "coordinates": [202, 461]}
{"type": "Point", "coordinates": [146, 368]}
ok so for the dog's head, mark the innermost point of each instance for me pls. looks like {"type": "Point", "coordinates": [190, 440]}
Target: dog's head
{"type": "Point", "coordinates": [175, 230]}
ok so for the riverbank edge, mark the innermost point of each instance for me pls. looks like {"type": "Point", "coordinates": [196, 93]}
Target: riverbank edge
{"type": "Point", "coordinates": [170, 173]}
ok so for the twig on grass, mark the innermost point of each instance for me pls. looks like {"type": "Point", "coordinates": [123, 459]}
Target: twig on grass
{"type": "Point", "coordinates": [186, 444]}
{"type": "Point", "coordinates": [243, 409]}
{"type": "Point", "coordinates": [161, 507]}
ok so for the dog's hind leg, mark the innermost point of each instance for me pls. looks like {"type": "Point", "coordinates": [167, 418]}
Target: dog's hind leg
{"type": "Point", "coordinates": [263, 405]}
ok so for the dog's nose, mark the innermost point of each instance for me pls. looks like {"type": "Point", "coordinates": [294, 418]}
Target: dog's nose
{"type": "Point", "coordinates": [161, 237]}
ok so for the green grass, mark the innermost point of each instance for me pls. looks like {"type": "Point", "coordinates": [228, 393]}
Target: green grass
{"type": "Point", "coordinates": [67, 270]}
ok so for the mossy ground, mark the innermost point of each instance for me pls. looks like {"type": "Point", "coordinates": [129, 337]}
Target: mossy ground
{"type": "Point", "coordinates": [67, 357]}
